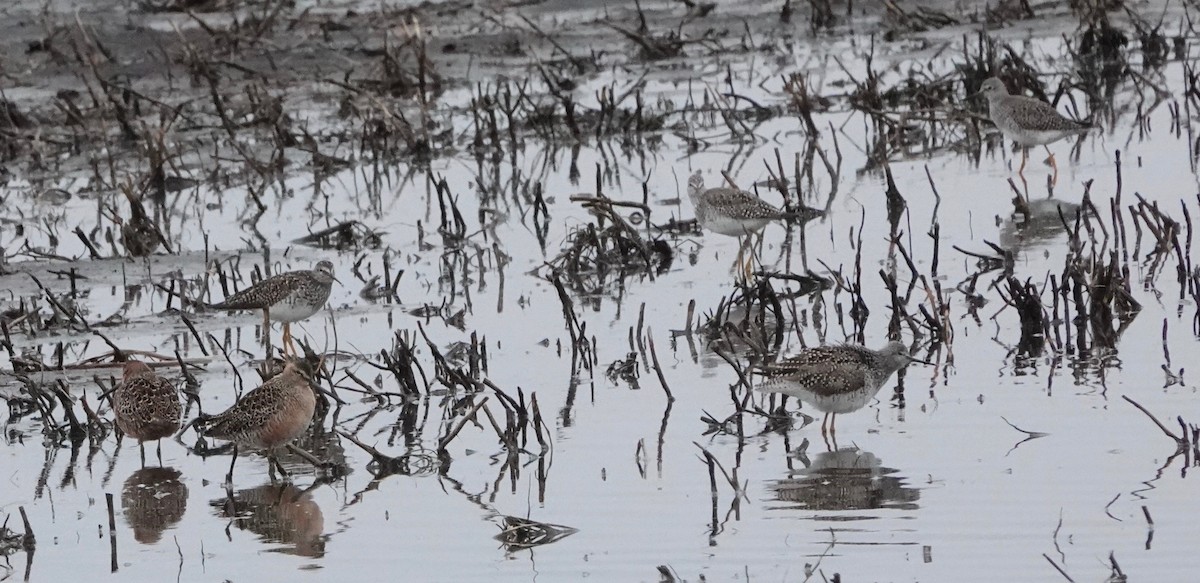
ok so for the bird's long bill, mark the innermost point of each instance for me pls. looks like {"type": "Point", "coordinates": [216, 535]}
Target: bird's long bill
{"type": "Point", "coordinates": [925, 362]}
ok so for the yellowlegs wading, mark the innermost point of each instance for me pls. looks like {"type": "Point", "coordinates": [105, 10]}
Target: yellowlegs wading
{"type": "Point", "coordinates": [1028, 121]}
{"type": "Point", "coordinates": [736, 213]}
{"type": "Point", "coordinates": [287, 297]}
{"type": "Point", "coordinates": [835, 379]}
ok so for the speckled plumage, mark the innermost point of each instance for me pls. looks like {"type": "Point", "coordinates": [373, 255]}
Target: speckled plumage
{"type": "Point", "coordinates": [287, 297]}
{"type": "Point", "coordinates": [835, 379]}
{"type": "Point", "coordinates": [1025, 120]}
{"type": "Point", "coordinates": [271, 415]}
{"type": "Point", "coordinates": [146, 406]}
{"type": "Point", "coordinates": [140, 237]}
{"type": "Point", "coordinates": [730, 211]}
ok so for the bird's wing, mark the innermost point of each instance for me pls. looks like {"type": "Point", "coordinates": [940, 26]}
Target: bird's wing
{"type": "Point", "coordinates": [823, 378]}
{"type": "Point", "coordinates": [149, 396]}
{"type": "Point", "coordinates": [263, 294]}
{"type": "Point", "coordinates": [743, 204]}
{"type": "Point", "coordinates": [1042, 115]}
{"type": "Point", "coordinates": [244, 415]}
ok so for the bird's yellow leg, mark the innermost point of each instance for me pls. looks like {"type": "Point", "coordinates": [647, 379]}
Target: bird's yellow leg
{"type": "Point", "coordinates": [748, 265]}
{"type": "Point", "coordinates": [1024, 158]}
{"type": "Point", "coordinates": [288, 346]}
{"type": "Point", "coordinates": [737, 262]}
{"type": "Point", "coordinates": [752, 256]}
{"type": "Point", "coordinates": [1053, 166]}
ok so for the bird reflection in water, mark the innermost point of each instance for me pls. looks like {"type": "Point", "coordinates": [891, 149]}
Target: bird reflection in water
{"type": "Point", "coordinates": [845, 479]}
{"type": "Point", "coordinates": [153, 500]}
{"type": "Point", "coordinates": [278, 513]}
{"type": "Point", "coordinates": [1037, 224]}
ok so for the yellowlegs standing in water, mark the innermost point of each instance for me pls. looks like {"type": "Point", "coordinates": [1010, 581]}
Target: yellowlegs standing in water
{"type": "Point", "coordinates": [287, 297]}
{"type": "Point", "coordinates": [146, 406]}
{"type": "Point", "coordinates": [268, 417]}
{"type": "Point", "coordinates": [836, 379]}
{"type": "Point", "coordinates": [735, 213]}
{"type": "Point", "coordinates": [1028, 121]}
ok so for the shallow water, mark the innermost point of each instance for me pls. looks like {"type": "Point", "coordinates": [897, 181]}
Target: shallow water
{"type": "Point", "coordinates": [941, 489]}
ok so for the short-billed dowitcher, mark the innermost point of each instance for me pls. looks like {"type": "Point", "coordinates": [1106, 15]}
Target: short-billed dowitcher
{"type": "Point", "coordinates": [1028, 121]}
{"type": "Point", "coordinates": [736, 213]}
{"type": "Point", "coordinates": [146, 406]}
{"type": "Point", "coordinates": [287, 297]}
{"type": "Point", "coordinates": [268, 417]}
{"type": "Point", "coordinates": [836, 379]}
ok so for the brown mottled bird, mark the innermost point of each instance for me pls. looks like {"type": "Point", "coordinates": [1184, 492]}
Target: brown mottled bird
{"type": "Point", "coordinates": [836, 379]}
{"type": "Point", "coordinates": [287, 297]}
{"type": "Point", "coordinates": [736, 213]}
{"type": "Point", "coordinates": [139, 234]}
{"type": "Point", "coordinates": [146, 406]}
{"type": "Point", "coordinates": [268, 417]}
{"type": "Point", "coordinates": [1028, 121]}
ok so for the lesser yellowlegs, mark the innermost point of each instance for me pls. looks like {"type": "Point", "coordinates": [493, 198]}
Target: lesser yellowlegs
{"type": "Point", "coordinates": [287, 297]}
{"type": "Point", "coordinates": [835, 379]}
{"type": "Point", "coordinates": [1028, 121]}
{"type": "Point", "coordinates": [268, 417]}
{"type": "Point", "coordinates": [734, 212]}
{"type": "Point", "coordinates": [146, 406]}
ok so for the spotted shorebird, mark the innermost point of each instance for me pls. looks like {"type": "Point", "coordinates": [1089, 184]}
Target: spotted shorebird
{"type": "Point", "coordinates": [269, 417]}
{"type": "Point", "coordinates": [836, 379]}
{"type": "Point", "coordinates": [1028, 121]}
{"type": "Point", "coordinates": [146, 406]}
{"type": "Point", "coordinates": [139, 233]}
{"type": "Point", "coordinates": [287, 297]}
{"type": "Point", "coordinates": [736, 213]}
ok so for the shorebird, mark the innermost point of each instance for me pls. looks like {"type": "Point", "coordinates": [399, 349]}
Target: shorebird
{"type": "Point", "coordinates": [736, 213]}
{"type": "Point", "coordinates": [1028, 121]}
{"type": "Point", "coordinates": [139, 234]}
{"type": "Point", "coordinates": [836, 379]}
{"type": "Point", "coordinates": [268, 417]}
{"type": "Point", "coordinates": [146, 406]}
{"type": "Point", "coordinates": [287, 297]}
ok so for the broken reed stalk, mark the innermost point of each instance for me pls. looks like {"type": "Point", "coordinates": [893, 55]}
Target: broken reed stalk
{"type": "Point", "coordinates": [112, 530]}
{"type": "Point", "coordinates": [28, 540]}
{"type": "Point", "coordinates": [732, 481]}
{"type": "Point", "coordinates": [662, 379]}
{"type": "Point", "coordinates": [1179, 442]}
{"type": "Point", "coordinates": [468, 416]}
{"type": "Point", "coordinates": [539, 423]}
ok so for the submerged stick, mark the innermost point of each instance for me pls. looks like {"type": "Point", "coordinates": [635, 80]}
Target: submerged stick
{"type": "Point", "coordinates": [1178, 441]}
{"type": "Point", "coordinates": [662, 379]}
{"type": "Point", "coordinates": [112, 530]}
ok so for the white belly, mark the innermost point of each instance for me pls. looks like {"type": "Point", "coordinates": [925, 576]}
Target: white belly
{"type": "Point", "coordinates": [292, 309]}
{"type": "Point", "coordinates": [732, 227]}
{"type": "Point", "coordinates": [838, 403]}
